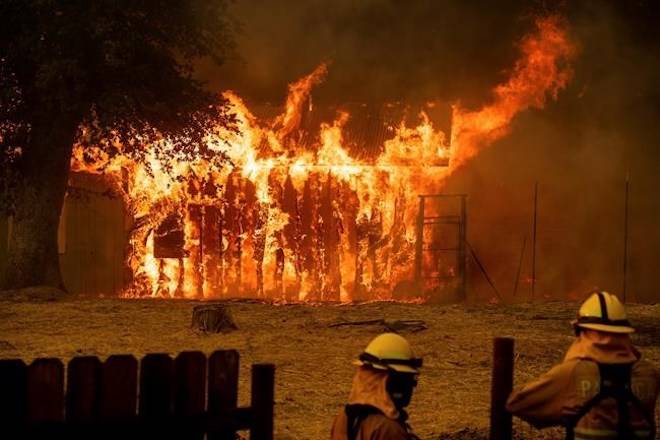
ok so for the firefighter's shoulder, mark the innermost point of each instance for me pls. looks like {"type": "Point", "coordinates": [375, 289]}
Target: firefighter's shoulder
{"type": "Point", "coordinates": [384, 428]}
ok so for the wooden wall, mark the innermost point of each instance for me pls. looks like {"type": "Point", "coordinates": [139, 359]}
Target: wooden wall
{"type": "Point", "coordinates": [4, 233]}
{"type": "Point", "coordinates": [91, 238]}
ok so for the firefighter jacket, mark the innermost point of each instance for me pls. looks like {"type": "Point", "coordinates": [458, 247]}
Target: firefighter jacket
{"type": "Point", "coordinates": [562, 391]}
{"type": "Point", "coordinates": [372, 412]}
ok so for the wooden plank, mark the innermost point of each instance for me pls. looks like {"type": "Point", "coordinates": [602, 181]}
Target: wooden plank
{"type": "Point", "coordinates": [223, 388]}
{"type": "Point", "coordinates": [190, 388]}
{"type": "Point", "coordinates": [156, 385]}
{"type": "Point", "coordinates": [263, 401]}
{"type": "Point", "coordinates": [45, 391]}
{"type": "Point", "coordinates": [119, 239]}
{"type": "Point", "coordinates": [4, 240]}
{"type": "Point", "coordinates": [156, 394]}
{"type": "Point", "coordinates": [419, 243]}
{"type": "Point", "coordinates": [190, 383]}
{"type": "Point", "coordinates": [118, 391]}
{"type": "Point", "coordinates": [83, 389]}
{"type": "Point", "coordinates": [13, 397]}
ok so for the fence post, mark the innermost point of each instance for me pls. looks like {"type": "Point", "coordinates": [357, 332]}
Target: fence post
{"type": "Point", "coordinates": [223, 388]}
{"type": "Point", "coordinates": [118, 393]}
{"type": "Point", "coordinates": [156, 394]}
{"type": "Point", "coordinates": [45, 391]}
{"type": "Point", "coordinates": [189, 392]}
{"type": "Point", "coordinates": [13, 398]}
{"type": "Point", "coordinates": [502, 384]}
{"type": "Point", "coordinates": [83, 384]}
{"type": "Point", "coordinates": [263, 399]}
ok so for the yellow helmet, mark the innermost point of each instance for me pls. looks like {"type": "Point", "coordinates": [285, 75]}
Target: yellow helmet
{"type": "Point", "coordinates": [390, 351]}
{"type": "Point", "coordinates": [604, 312]}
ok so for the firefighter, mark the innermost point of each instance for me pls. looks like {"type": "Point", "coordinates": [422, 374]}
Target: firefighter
{"type": "Point", "coordinates": [382, 388]}
{"type": "Point", "coordinates": [602, 390]}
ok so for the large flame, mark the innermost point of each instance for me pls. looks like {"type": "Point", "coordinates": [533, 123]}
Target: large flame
{"type": "Point", "coordinates": [287, 220]}
{"type": "Point", "coordinates": [542, 71]}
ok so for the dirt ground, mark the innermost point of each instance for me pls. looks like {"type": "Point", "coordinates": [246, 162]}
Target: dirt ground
{"type": "Point", "coordinates": [314, 372]}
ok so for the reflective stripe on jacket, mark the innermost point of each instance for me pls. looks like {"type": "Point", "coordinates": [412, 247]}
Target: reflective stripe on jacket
{"type": "Point", "coordinates": [562, 391]}
{"type": "Point", "coordinates": [605, 434]}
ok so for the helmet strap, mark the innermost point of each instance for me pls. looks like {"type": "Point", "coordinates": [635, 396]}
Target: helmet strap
{"type": "Point", "coordinates": [370, 358]}
{"type": "Point", "coordinates": [400, 387]}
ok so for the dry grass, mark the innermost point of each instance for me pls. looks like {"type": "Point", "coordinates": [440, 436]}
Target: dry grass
{"type": "Point", "coordinates": [313, 360]}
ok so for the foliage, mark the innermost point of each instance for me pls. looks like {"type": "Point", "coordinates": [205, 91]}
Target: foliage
{"type": "Point", "coordinates": [122, 68]}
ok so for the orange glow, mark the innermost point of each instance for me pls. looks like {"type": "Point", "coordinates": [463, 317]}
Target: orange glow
{"type": "Point", "coordinates": [285, 220]}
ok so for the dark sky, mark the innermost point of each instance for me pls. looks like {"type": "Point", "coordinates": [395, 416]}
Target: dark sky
{"type": "Point", "coordinates": [580, 148]}
{"type": "Point", "coordinates": [379, 49]}
{"type": "Point", "coordinates": [389, 49]}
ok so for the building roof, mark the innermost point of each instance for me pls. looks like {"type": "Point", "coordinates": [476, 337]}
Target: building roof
{"type": "Point", "coordinates": [368, 126]}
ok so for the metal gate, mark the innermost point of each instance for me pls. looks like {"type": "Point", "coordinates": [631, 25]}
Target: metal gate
{"type": "Point", "coordinates": [440, 248]}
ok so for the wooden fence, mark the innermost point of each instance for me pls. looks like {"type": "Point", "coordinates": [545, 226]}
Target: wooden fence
{"type": "Point", "coordinates": [188, 397]}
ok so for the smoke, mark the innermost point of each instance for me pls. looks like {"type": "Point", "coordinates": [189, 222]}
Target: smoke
{"type": "Point", "coordinates": [380, 49]}
{"type": "Point", "coordinates": [579, 148]}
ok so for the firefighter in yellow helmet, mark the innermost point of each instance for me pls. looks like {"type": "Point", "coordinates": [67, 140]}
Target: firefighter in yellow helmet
{"type": "Point", "coordinates": [602, 390]}
{"type": "Point", "coordinates": [382, 388]}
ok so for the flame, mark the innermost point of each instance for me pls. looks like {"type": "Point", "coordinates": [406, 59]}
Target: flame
{"type": "Point", "coordinates": [541, 71]}
{"type": "Point", "coordinates": [284, 220]}
{"type": "Point", "coordinates": [299, 91]}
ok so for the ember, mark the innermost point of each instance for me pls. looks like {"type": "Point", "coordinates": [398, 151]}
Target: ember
{"type": "Point", "coordinates": [307, 217]}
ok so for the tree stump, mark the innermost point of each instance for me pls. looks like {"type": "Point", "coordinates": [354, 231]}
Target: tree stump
{"type": "Point", "coordinates": [213, 318]}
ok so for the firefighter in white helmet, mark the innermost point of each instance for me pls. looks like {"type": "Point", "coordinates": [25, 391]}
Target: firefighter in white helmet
{"type": "Point", "coordinates": [382, 388]}
{"type": "Point", "coordinates": [602, 390]}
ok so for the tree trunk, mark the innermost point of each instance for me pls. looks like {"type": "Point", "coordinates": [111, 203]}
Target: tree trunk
{"type": "Point", "coordinates": [213, 318]}
{"type": "Point", "coordinates": [32, 254]}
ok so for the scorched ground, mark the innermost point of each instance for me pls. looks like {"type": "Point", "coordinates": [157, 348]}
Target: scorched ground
{"type": "Point", "coordinates": [312, 359]}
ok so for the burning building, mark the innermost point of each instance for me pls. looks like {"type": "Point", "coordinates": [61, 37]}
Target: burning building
{"type": "Point", "coordinates": [303, 237]}
{"type": "Point", "coordinates": [305, 203]}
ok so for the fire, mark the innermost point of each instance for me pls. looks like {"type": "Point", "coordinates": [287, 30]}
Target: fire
{"type": "Point", "coordinates": [542, 70]}
{"type": "Point", "coordinates": [299, 92]}
{"type": "Point", "coordinates": [288, 220]}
